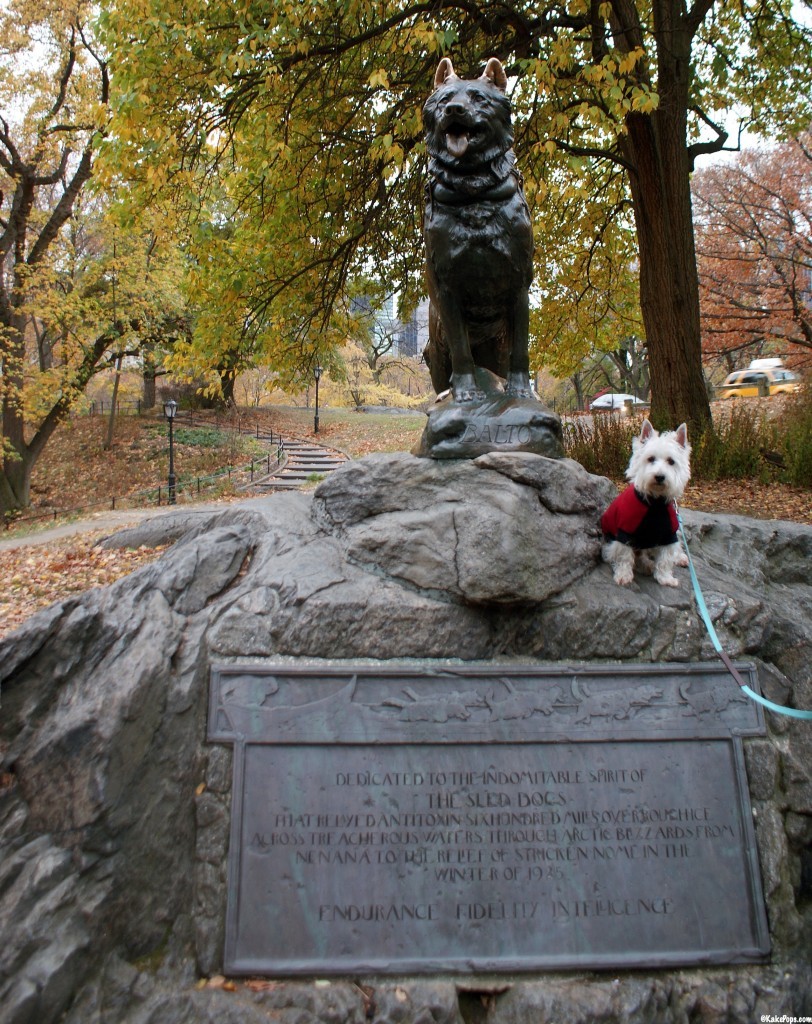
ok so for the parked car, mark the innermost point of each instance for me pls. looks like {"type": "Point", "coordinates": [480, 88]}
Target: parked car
{"type": "Point", "coordinates": [755, 382]}
{"type": "Point", "coordinates": [615, 401]}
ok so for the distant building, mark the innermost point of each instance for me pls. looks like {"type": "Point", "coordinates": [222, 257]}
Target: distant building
{"type": "Point", "coordinates": [407, 339]}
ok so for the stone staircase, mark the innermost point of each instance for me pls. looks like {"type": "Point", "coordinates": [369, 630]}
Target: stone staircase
{"type": "Point", "coordinates": [300, 460]}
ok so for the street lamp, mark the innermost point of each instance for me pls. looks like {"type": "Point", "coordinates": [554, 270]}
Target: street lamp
{"type": "Point", "coordinates": [317, 375]}
{"type": "Point", "coordinates": [170, 408]}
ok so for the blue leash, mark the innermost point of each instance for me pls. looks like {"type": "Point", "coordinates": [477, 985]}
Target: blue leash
{"type": "Point", "coordinates": [705, 614]}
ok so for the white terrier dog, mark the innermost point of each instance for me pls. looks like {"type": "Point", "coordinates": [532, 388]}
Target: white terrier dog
{"type": "Point", "coordinates": [640, 526]}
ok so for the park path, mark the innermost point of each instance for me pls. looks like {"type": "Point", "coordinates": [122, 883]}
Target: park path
{"type": "Point", "coordinates": [110, 521]}
{"type": "Point", "coordinates": [301, 462]}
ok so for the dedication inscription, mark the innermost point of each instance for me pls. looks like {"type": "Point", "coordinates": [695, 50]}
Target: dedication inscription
{"type": "Point", "coordinates": [483, 818]}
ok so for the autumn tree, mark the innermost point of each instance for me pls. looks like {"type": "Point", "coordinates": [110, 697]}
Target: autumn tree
{"type": "Point", "coordinates": [54, 90]}
{"type": "Point", "coordinates": [754, 246]}
{"type": "Point", "coordinates": [79, 291]}
{"type": "Point", "coordinates": [309, 112]}
{"type": "Point", "coordinates": [586, 294]}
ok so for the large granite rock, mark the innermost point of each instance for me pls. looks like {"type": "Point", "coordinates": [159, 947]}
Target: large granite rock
{"type": "Point", "coordinates": [114, 811]}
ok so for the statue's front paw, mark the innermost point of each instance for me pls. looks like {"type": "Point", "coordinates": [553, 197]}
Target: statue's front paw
{"type": "Point", "coordinates": [468, 395]}
{"type": "Point", "coordinates": [465, 389]}
{"type": "Point", "coordinates": [518, 386]}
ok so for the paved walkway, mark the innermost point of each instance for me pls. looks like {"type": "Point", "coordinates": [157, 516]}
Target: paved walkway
{"type": "Point", "coordinates": [100, 521]}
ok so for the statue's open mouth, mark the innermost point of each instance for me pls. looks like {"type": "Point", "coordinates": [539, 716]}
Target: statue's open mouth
{"type": "Point", "coordinates": [457, 139]}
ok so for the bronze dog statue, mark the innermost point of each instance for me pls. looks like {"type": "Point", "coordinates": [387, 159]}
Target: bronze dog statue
{"type": "Point", "coordinates": [479, 241]}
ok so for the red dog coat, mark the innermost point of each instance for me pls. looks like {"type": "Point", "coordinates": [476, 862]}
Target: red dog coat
{"type": "Point", "coordinates": [639, 521]}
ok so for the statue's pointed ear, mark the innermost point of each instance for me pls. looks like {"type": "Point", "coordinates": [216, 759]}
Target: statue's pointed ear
{"type": "Point", "coordinates": [495, 73]}
{"type": "Point", "coordinates": [445, 71]}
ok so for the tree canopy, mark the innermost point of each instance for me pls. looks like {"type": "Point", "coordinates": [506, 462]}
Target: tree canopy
{"type": "Point", "coordinates": [290, 132]}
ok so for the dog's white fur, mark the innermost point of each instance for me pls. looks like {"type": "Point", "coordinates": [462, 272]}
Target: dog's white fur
{"type": "Point", "coordinates": [659, 467]}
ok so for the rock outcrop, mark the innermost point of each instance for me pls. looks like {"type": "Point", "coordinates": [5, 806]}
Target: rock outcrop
{"type": "Point", "coordinates": [114, 810]}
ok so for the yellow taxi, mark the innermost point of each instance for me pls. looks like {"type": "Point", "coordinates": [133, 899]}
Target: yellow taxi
{"type": "Point", "coordinates": [762, 381]}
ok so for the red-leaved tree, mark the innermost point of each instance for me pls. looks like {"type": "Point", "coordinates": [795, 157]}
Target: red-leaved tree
{"type": "Point", "coordinates": [754, 252]}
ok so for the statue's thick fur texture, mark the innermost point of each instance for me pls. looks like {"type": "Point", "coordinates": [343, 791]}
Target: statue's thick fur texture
{"type": "Point", "coordinates": [479, 242]}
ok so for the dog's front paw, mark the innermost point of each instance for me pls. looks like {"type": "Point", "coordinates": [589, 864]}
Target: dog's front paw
{"type": "Point", "coordinates": [666, 581]}
{"type": "Point", "coordinates": [518, 392]}
{"type": "Point", "coordinates": [465, 395]}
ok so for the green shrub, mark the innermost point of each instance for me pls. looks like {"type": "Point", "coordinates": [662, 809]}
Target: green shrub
{"type": "Point", "coordinates": [195, 437]}
{"type": "Point", "coordinates": [200, 437]}
{"type": "Point", "coordinates": [796, 440]}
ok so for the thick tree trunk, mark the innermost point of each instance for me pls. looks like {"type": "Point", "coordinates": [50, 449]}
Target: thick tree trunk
{"type": "Point", "coordinates": [148, 392]}
{"type": "Point", "coordinates": [15, 483]}
{"type": "Point", "coordinates": [15, 480]}
{"type": "Point", "coordinates": [656, 147]}
{"type": "Point", "coordinates": [19, 457]}
{"type": "Point", "coordinates": [669, 286]}
{"type": "Point", "coordinates": [227, 382]}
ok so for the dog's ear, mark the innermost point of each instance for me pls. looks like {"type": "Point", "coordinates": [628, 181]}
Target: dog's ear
{"type": "Point", "coordinates": [495, 74]}
{"type": "Point", "coordinates": [681, 435]}
{"type": "Point", "coordinates": [445, 71]}
{"type": "Point", "coordinates": [646, 431]}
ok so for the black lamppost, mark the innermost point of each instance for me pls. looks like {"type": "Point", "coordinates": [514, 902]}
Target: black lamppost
{"type": "Point", "coordinates": [317, 375]}
{"type": "Point", "coordinates": [170, 408]}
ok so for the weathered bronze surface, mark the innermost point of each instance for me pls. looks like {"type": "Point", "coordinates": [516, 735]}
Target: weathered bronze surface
{"type": "Point", "coordinates": [494, 423]}
{"type": "Point", "coordinates": [487, 818]}
{"type": "Point", "coordinates": [479, 249]}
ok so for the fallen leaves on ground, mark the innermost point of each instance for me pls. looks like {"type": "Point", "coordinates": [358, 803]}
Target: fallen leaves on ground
{"type": "Point", "coordinates": [75, 470]}
{"type": "Point", "coordinates": [34, 577]}
{"type": "Point", "coordinates": [750, 498]}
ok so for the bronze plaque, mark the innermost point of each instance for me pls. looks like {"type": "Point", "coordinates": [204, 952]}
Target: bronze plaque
{"type": "Point", "coordinates": [485, 818]}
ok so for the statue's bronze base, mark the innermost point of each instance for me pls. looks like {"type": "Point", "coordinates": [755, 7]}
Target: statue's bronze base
{"type": "Point", "coordinates": [498, 422]}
